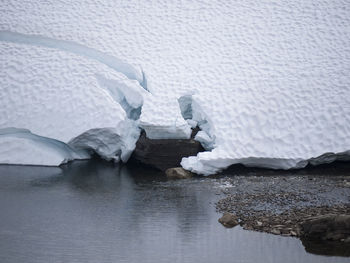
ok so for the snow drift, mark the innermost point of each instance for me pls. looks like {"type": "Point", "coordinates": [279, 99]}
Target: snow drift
{"type": "Point", "coordinates": [268, 82]}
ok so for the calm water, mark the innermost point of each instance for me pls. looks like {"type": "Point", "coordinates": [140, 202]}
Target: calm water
{"type": "Point", "coordinates": [98, 212]}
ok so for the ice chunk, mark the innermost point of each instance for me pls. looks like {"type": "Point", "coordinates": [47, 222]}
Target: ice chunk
{"type": "Point", "coordinates": [105, 142]}
{"type": "Point", "coordinates": [109, 143]}
{"type": "Point", "coordinates": [192, 123]}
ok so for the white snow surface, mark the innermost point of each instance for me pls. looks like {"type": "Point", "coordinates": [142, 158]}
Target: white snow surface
{"type": "Point", "coordinates": [270, 79]}
{"type": "Point", "coordinates": [59, 96]}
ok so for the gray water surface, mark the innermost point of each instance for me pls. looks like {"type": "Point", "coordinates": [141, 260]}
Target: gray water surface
{"type": "Point", "coordinates": [93, 211]}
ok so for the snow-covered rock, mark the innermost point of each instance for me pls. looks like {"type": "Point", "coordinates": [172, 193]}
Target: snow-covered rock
{"type": "Point", "coordinates": [269, 80]}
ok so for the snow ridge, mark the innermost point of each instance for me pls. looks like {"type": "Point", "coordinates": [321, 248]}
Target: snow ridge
{"type": "Point", "coordinates": [69, 46]}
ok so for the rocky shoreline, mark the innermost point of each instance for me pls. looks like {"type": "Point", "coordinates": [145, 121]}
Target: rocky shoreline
{"type": "Point", "coordinates": [280, 203]}
{"type": "Point", "coordinates": [288, 223]}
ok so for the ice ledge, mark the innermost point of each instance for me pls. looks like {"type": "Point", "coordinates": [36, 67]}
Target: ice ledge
{"type": "Point", "coordinates": [206, 164]}
{"type": "Point", "coordinates": [20, 146]}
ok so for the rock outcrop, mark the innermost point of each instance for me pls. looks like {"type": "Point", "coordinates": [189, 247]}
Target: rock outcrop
{"type": "Point", "coordinates": [329, 227]}
{"type": "Point", "coordinates": [164, 153]}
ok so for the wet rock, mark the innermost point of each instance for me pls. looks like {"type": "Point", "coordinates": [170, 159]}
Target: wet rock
{"type": "Point", "coordinates": [327, 227]}
{"type": "Point", "coordinates": [275, 232]}
{"type": "Point", "coordinates": [228, 220]}
{"type": "Point", "coordinates": [164, 153]}
{"type": "Point", "coordinates": [178, 173]}
{"type": "Point", "coordinates": [326, 248]}
{"type": "Point", "coordinates": [247, 227]}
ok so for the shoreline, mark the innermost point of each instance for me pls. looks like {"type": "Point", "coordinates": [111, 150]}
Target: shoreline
{"type": "Point", "coordinates": [279, 202]}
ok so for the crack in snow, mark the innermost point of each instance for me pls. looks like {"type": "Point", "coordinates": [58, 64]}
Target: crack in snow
{"type": "Point", "coordinates": [69, 46]}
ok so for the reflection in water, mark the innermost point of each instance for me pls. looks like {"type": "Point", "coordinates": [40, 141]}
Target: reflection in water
{"type": "Point", "coordinates": [93, 211]}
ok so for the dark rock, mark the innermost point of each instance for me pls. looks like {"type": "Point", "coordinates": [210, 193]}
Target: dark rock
{"type": "Point", "coordinates": [327, 227]}
{"type": "Point", "coordinates": [178, 173]}
{"type": "Point", "coordinates": [326, 248]}
{"type": "Point", "coordinates": [164, 153]}
{"type": "Point", "coordinates": [194, 132]}
{"type": "Point", "coordinates": [228, 220]}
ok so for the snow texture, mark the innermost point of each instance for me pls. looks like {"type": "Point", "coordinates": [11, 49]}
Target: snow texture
{"type": "Point", "coordinates": [75, 48]}
{"type": "Point", "coordinates": [60, 97]}
{"type": "Point", "coordinates": [269, 79]}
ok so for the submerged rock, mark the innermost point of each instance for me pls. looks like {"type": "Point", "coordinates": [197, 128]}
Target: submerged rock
{"type": "Point", "coordinates": [229, 220]}
{"type": "Point", "coordinates": [327, 227]}
{"type": "Point", "coordinates": [178, 173]}
{"type": "Point", "coordinates": [164, 153]}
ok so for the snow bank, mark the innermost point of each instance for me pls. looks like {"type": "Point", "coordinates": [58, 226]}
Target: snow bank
{"type": "Point", "coordinates": [65, 107]}
{"type": "Point", "coordinates": [270, 78]}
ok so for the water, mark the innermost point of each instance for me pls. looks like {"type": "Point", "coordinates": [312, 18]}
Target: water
{"type": "Point", "coordinates": [94, 211]}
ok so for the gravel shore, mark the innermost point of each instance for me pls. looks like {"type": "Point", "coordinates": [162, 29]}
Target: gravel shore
{"type": "Point", "coordinates": [277, 202]}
